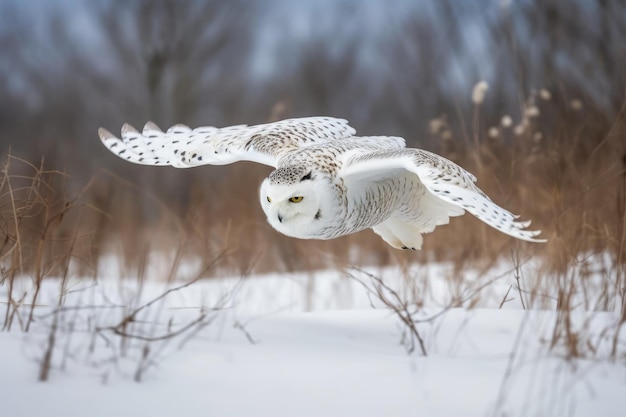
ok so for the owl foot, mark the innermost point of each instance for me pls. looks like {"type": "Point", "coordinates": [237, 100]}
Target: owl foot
{"type": "Point", "coordinates": [399, 234]}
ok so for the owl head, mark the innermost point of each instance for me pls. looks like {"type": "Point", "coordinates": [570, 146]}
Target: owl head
{"type": "Point", "coordinates": [292, 198]}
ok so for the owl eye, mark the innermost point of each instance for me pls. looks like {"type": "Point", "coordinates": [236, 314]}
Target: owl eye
{"type": "Point", "coordinates": [296, 199]}
{"type": "Point", "coordinates": [269, 200]}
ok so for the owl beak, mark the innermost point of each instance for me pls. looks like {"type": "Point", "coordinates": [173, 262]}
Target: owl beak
{"type": "Point", "coordinates": [280, 218]}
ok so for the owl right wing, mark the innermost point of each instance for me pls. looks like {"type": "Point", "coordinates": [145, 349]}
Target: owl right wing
{"type": "Point", "coordinates": [443, 179]}
{"type": "Point", "coordinates": [183, 147]}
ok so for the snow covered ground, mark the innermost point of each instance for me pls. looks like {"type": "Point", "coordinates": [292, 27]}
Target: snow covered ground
{"type": "Point", "coordinates": [305, 345]}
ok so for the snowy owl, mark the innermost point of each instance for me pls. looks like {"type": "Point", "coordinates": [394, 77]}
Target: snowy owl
{"type": "Point", "coordinates": [328, 182]}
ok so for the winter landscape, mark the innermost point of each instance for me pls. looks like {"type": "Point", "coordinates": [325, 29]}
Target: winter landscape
{"type": "Point", "coordinates": [141, 290]}
{"type": "Point", "coordinates": [324, 343]}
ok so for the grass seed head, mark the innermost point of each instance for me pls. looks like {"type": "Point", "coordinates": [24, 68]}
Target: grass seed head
{"type": "Point", "coordinates": [479, 91]}
{"type": "Point", "coordinates": [506, 121]}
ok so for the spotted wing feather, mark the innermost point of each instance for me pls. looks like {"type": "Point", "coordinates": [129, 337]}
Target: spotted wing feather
{"type": "Point", "coordinates": [183, 147]}
{"type": "Point", "coordinates": [443, 179]}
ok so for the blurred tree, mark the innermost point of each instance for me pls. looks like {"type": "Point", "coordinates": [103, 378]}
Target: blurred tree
{"type": "Point", "coordinates": [68, 67]}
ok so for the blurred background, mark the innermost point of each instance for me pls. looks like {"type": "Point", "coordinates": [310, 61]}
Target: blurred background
{"type": "Point", "coordinates": [546, 142]}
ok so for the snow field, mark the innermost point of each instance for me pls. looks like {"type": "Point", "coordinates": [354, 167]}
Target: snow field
{"type": "Point", "coordinates": [307, 345]}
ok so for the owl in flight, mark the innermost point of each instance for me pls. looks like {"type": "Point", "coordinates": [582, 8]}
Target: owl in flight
{"type": "Point", "coordinates": [328, 182]}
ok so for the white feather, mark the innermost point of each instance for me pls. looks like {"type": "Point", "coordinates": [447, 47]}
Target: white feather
{"type": "Point", "coordinates": [444, 180]}
{"type": "Point", "coordinates": [183, 147]}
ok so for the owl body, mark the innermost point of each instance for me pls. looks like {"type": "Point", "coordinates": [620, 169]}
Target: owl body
{"type": "Point", "coordinates": [327, 182]}
{"type": "Point", "coordinates": [340, 209]}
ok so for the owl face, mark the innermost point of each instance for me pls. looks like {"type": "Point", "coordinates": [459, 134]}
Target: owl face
{"type": "Point", "coordinates": [292, 208]}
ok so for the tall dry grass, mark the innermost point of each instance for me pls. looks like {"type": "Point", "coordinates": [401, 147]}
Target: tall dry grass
{"type": "Point", "coordinates": [560, 165]}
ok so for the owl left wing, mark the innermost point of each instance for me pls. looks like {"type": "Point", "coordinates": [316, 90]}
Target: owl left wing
{"type": "Point", "coordinates": [183, 147]}
{"type": "Point", "coordinates": [442, 178]}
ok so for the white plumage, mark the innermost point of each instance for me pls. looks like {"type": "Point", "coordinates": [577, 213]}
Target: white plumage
{"type": "Point", "coordinates": [328, 182]}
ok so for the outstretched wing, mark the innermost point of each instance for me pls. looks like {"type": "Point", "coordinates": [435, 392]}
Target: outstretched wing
{"type": "Point", "coordinates": [443, 179]}
{"type": "Point", "coordinates": [183, 147]}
